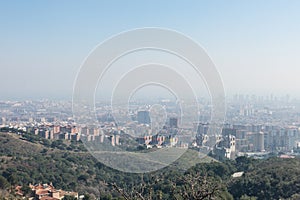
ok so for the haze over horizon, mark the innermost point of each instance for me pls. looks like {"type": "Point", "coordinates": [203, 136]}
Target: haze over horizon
{"type": "Point", "coordinates": [253, 44]}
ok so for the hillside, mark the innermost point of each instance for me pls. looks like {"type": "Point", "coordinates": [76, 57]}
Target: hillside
{"type": "Point", "coordinates": [69, 166]}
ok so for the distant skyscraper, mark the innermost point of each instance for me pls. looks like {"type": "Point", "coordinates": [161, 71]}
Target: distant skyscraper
{"type": "Point", "coordinates": [143, 117]}
{"type": "Point", "coordinates": [259, 141]}
{"type": "Point", "coordinates": [202, 129]}
{"type": "Point", "coordinates": [173, 122]}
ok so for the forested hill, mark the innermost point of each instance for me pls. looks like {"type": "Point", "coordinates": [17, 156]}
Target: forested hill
{"type": "Point", "coordinates": [30, 159]}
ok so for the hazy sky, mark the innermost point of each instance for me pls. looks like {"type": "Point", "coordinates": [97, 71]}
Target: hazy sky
{"type": "Point", "coordinates": [254, 44]}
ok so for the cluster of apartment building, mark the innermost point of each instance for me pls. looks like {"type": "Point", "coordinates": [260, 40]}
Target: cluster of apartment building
{"type": "Point", "coordinates": [242, 139]}
{"type": "Point", "coordinates": [139, 130]}
{"type": "Point", "coordinates": [76, 133]}
{"type": "Point", "coordinates": [158, 140]}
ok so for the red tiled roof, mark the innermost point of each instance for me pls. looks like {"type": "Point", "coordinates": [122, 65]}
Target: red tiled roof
{"type": "Point", "coordinates": [48, 198]}
{"type": "Point", "coordinates": [39, 192]}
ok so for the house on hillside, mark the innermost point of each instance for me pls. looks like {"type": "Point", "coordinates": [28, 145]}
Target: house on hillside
{"type": "Point", "coordinates": [46, 192]}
